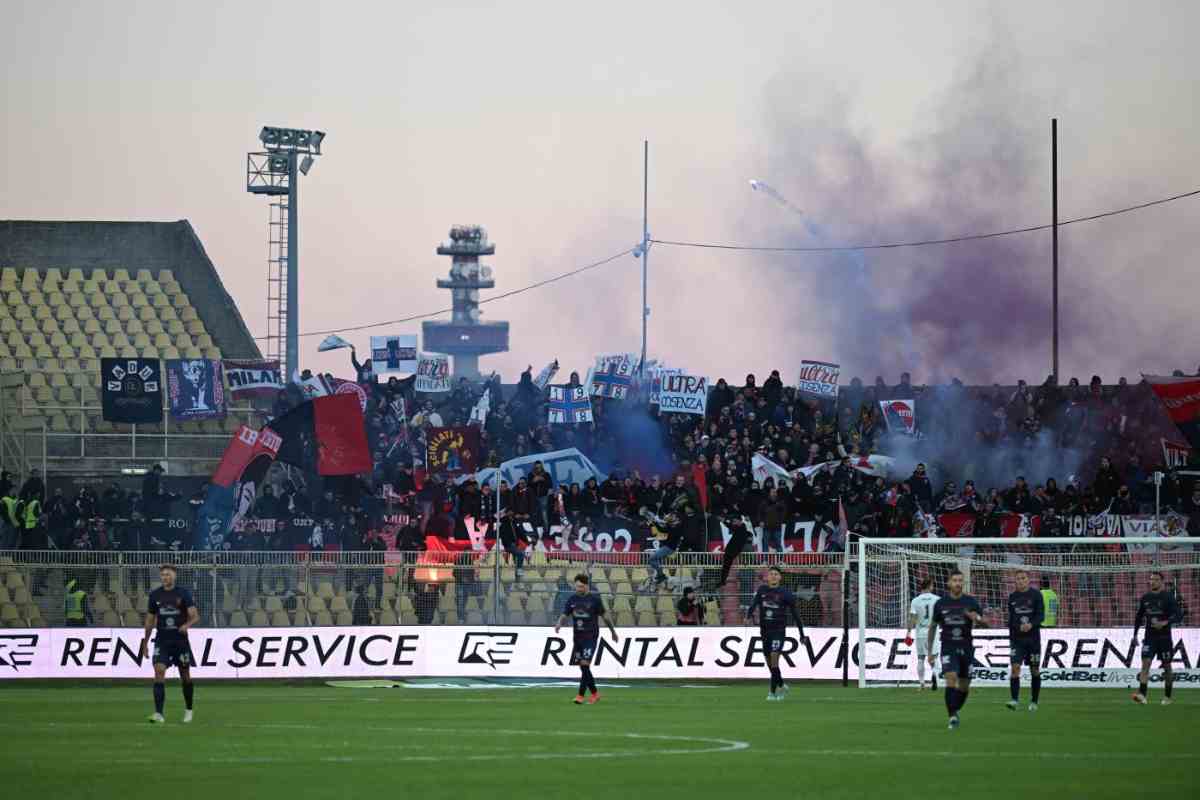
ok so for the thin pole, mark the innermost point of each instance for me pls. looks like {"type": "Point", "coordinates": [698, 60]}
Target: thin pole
{"type": "Point", "coordinates": [293, 274]}
{"type": "Point", "coordinates": [1054, 234]}
{"type": "Point", "coordinates": [645, 241]}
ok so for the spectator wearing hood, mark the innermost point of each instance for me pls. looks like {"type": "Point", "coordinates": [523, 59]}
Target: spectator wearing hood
{"type": "Point", "coordinates": [922, 489]}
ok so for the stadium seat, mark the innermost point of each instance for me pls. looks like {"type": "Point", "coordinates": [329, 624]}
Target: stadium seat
{"type": "Point", "coordinates": [121, 275]}
{"type": "Point", "coordinates": [180, 301]}
{"type": "Point", "coordinates": [118, 300]}
{"type": "Point", "coordinates": [29, 281]}
{"type": "Point", "coordinates": [125, 313]}
{"type": "Point", "coordinates": [259, 619]}
{"type": "Point", "coordinates": [323, 619]}
{"type": "Point", "coordinates": [55, 299]}
{"type": "Point", "coordinates": [148, 316]}
{"type": "Point", "coordinates": [143, 276]}
{"type": "Point", "coordinates": [193, 352]}
{"type": "Point", "coordinates": [183, 341]}
{"type": "Point", "coordinates": [280, 619]}
{"type": "Point", "coordinates": [237, 619]}
{"type": "Point", "coordinates": [160, 301]}
{"type": "Point", "coordinates": [75, 274]}
{"type": "Point", "coordinates": [195, 328]}
{"type": "Point", "coordinates": [9, 615]}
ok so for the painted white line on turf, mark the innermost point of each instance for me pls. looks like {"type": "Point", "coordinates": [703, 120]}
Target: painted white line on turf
{"type": "Point", "coordinates": [1105, 756]}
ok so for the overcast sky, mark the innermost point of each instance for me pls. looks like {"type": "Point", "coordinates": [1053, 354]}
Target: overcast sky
{"type": "Point", "coordinates": [880, 120]}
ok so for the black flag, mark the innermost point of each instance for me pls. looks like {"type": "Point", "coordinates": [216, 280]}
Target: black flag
{"type": "Point", "coordinates": [132, 390]}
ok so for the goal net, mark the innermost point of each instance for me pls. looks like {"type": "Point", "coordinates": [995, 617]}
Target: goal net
{"type": "Point", "coordinates": [1091, 589]}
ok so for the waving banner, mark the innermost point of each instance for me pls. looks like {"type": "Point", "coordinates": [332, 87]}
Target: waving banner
{"type": "Point", "coordinates": [612, 376]}
{"type": "Point", "coordinates": [452, 450]}
{"type": "Point", "coordinates": [683, 394]}
{"type": "Point", "coordinates": [900, 415]}
{"type": "Point", "coordinates": [819, 379]}
{"type": "Point", "coordinates": [394, 353]}
{"type": "Point", "coordinates": [546, 375]}
{"type": "Point", "coordinates": [433, 373]}
{"type": "Point", "coordinates": [1175, 454]}
{"type": "Point", "coordinates": [568, 406]}
{"type": "Point", "coordinates": [1181, 398]}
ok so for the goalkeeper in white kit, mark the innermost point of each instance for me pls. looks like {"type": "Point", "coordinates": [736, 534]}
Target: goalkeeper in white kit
{"type": "Point", "coordinates": [920, 616]}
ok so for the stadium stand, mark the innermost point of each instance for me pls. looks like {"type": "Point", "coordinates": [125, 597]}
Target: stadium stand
{"type": "Point", "coordinates": [76, 292]}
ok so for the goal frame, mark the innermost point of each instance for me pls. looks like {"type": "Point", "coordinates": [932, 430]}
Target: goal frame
{"type": "Point", "coordinates": [861, 545]}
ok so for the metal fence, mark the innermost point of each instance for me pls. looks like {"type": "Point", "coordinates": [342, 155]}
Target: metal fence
{"type": "Point", "coordinates": [283, 589]}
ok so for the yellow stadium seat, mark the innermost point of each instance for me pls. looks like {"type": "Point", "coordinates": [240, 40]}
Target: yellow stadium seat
{"type": "Point", "coordinates": [22, 313]}
{"type": "Point", "coordinates": [57, 339]}
{"type": "Point", "coordinates": [147, 314]}
{"type": "Point", "coordinates": [112, 327]}
{"type": "Point", "coordinates": [15, 339]}
{"type": "Point", "coordinates": [53, 274]}
{"type": "Point", "coordinates": [84, 351]}
{"type": "Point", "coordinates": [14, 299]}
{"type": "Point", "coordinates": [139, 300]}
{"type": "Point", "coordinates": [79, 380]}
{"type": "Point", "coordinates": [108, 351]}
{"type": "Point", "coordinates": [213, 353]}
{"type": "Point", "coordinates": [66, 396]}
{"type": "Point", "coordinates": [160, 301]}
{"type": "Point", "coordinates": [84, 312]}
{"type": "Point", "coordinates": [89, 396]}
{"type": "Point", "coordinates": [141, 340]}
{"type": "Point", "coordinates": [118, 339]}
{"type": "Point", "coordinates": [69, 286]}
{"type": "Point", "coordinates": [43, 351]}
{"type": "Point", "coordinates": [128, 351]}
{"type": "Point", "coordinates": [55, 299]}
{"type": "Point", "coordinates": [168, 314]}
{"type": "Point", "coordinates": [202, 340]}
{"type": "Point", "coordinates": [4, 351]}
{"type": "Point", "coordinates": [153, 327]}
{"type": "Point", "coordinates": [36, 380]}
{"type": "Point", "coordinates": [175, 327]}
{"type": "Point", "coordinates": [75, 274]}
{"type": "Point", "coordinates": [59, 379]}
{"type": "Point", "coordinates": [125, 313]}
{"type": "Point", "coordinates": [89, 287]}
{"type": "Point", "coordinates": [180, 301]}
{"type": "Point", "coordinates": [113, 290]}
{"type": "Point", "coordinates": [133, 326]}
{"type": "Point", "coordinates": [59, 423]}
{"type": "Point", "coordinates": [99, 339]}
{"type": "Point", "coordinates": [97, 300]}
{"type": "Point", "coordinates": [144, 275]}
{"type": "Point", "coordinates": [152, 289]}
{"type": "Point", "coordinates": [105, 313]}
{"type": "Point", "coordinates": [149, 351]}
{"type": "Point", "coordinates": [43, 313]}
{"type": "Point", "coordinates": [8, 325]}
{"type": "Point", "coordinates": [91, 326]}
{"type": "Point", "coordinates": [22, 352]}
{"type": "Point", "coordinates": [29, 325]}
{"type": "Point", "coordinates": [64, 313]}
{"type": "Point", "coordinates": [193, 352]}
{"type": "Point", "coordinates": [30, 280]}
{"type": "Point", "coordinates": [195, 327]}
{"type": "Point", "coordinates": [168, 352]}
{"type": "Point", "coordinates": [65, 352]}
{"type": "Point", "coordinates": [182, 341]}
{"type": "Point", "coordinates": [8, 363]}
{"type": "Point", "coordinates": [162, 341]}
{"type": "Point", "coordinates": [49, 325]}
{"type": "Point", "coordinates": [121, 274]}
{"type": "Point", "coordinates": [43, 396]}
{"type": "Point", "coordinates": [166, 276]}
{"type": "Point", "coordinates": [35, 298]}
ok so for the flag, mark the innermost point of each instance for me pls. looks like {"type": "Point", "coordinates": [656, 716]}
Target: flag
{"type": "Point", "coordinates": [762, 468]}
{"type": "Point", "coordinates": [1175, 454]}
{"type": "Point", "coordinates": [479, 413]}
{"type": "Point", "coordinates": [452, 450]}
{"type": "Point", "coordinates": [253, 378]}
{"type": "Point", "coordinates": [842, 539]}
{"type": "Point", "coordinates": [234, 485]}
{"type": "Point", "coordinates": [546, 375]}
{"type": "Point", "coordinates": [394, 353]}
{"type": "Point", "coordinates": [1181, 399]}
{"type": "Point", "coordinates": [433, 373]}
{"type": "Point", "coordinates": [568, 406]}
{"type": "Point", "coordinates": [314, 386]}
{"type": "Point", "coordinates": [343, 386]}
{"type": "Point", "coordinates": [819, 379]}
{"type": "Point", "coordinates": [332, 342]}
{"type": "Point", "coordinates": [327, 435]}
{"type": "Point", "coordinates": [900, 415]}
{"type": "Point", "coordinates": [195, 389]}
{"type": "Point", "coordinates": [612, 376]}
{"type": "Point", "coordinates": [132, 390]}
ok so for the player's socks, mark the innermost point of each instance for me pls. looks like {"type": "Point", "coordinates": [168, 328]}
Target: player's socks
{"type": "Point", "coordinates": [1014, 688]}
{"type": "Point", "coordinates": [583, 682]}
{"type": "Point", "coordinates": [589, 682]}
{"type": "Point", "coordinates": [962, 700]}
{"type": "Point", "coordinates": [950, 693]}
{"type": "Point", "coordinates": [773, 682]}
{"type": "Point", "coordinates": [1144, 689]}
{"type": "Point", "coordinates": [160, 697]}
{"type": "Point", "coordinates": [1035, 685]}
{"type": "Point", "coordinates": [1168, 686]}
{"type": "Point", "coordinates": [933, 683]}
{"type": "Point", "coordinates": [188, 693]}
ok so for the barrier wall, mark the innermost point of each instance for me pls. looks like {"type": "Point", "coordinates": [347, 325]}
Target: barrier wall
{"type": "Point", "coordinates": [1080, 656]}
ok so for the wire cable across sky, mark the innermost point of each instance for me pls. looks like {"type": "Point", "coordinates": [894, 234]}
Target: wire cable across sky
{"type": "Point", "coordinates": [760, 249]}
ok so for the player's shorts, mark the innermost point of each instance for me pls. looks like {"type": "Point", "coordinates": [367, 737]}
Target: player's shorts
{"type": "Point", "coordinates": [773, 641]}
{"type": "Point", "coordinates": [921, 640]}
{"type": "Point", "coordinates": [1025, 651]}
{"type": "Point", "coordinates": [176, 653]}
{"type": "Point", "coordinates": [1160, 649]}
{"type": "Point", "coordinates": [957, 662]}
{"type": "Point", "coordinates": [584, 650]}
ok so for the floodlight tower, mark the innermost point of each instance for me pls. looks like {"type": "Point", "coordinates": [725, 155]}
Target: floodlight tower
{"type": "Point", "coordinates": [275, 172]}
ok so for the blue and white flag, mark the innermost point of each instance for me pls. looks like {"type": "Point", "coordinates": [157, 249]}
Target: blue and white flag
{"type": "Point", "coordinates": [612, 376]}
{"type": "Point", "coordinates": [394, 353]}
{"type": "Point", "coordinates": [195, 388]}
{"type": "Point", "coordinates": [569, 406]}
{"type": "Point", "coordinates": [546, 375]}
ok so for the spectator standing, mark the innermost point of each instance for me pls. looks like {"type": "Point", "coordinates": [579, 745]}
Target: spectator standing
{"type": "Point", "coordinates": [687, 610]}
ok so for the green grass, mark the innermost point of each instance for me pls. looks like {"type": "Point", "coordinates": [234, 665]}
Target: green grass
{"type": "Point", "coordinates": [272, 741]}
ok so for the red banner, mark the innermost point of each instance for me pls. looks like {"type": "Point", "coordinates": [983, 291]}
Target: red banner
{"type": "Point", "coordinates": [341, 435]}
{"type": "Point", "coordinates": [1011, 525]}
{"type": "Point", "coordinates": [1181, 399]}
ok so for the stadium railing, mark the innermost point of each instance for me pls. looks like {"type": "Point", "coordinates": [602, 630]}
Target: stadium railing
{"type": "Point", "coordinates": [281, 589]}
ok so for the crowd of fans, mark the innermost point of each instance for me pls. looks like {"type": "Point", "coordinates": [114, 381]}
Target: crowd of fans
{"type": "Point", "coordinates": [982, 451]}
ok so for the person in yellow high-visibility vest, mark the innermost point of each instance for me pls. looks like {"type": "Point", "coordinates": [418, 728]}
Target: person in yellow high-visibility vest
{"type": "Point", "coordinates": [1049, 604]}
{"type": "Point", "coordinates": [75, 606]}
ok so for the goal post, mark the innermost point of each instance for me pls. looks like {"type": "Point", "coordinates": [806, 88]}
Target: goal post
{"type": "Point", "coordinates": [1094, 582]}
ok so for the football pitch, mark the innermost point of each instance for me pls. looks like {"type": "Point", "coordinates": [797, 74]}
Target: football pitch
{"type": "Point", "coordinates": [642, 740]}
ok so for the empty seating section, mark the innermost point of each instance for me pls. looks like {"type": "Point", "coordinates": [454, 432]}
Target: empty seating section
{"type": "Point", "coordinates": [56, 324]}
